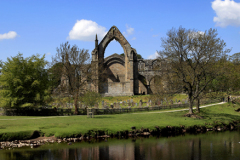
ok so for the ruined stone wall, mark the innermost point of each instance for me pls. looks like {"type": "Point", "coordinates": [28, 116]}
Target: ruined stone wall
{"type": "Point", "coordinates": [142, 88]}
{"type": "Point", "coordinates": [117, 89]}
{"type": "Point", "coordinates": [126, 75]}
{"type": "Point", "coordinates": [116, 73]}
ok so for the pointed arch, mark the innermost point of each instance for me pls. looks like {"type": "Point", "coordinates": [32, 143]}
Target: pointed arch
{"type": "Point", "coordinates": [112, 34]}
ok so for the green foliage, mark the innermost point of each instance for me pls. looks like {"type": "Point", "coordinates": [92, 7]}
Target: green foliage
{"type": "Point", "coordinates": [55, 74]}
{"type": "Point", "coordinates": [24, 81]}
{"type": "Point", "coordinates": [90, 98]}
{"type": "Point", "coordinates": [229, 77]}
{"type": "Point", "coordinates": [235, 58]}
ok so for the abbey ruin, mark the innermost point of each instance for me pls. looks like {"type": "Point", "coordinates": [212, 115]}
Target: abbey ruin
{"type": "Point", "coordinates": [125, 75]}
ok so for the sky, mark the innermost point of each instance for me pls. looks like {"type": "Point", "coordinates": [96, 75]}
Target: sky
{"type": "Point", "coordinates": [35, 27]}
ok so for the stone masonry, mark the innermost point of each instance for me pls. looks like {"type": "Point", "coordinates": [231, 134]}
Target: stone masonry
{"type": "Point", "coordinates": [123, 75]}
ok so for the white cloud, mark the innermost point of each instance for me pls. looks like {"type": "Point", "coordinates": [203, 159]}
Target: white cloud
{"type": "Point", "coordinates": [156, 35]}
{"type": "Point", "coordinates": [153, 56]}
{"type": "Point", "coordinates": [196, 34]}
{"type": "Point", "coordinates": [9, 35]}
{"type": "Point", "coordinates": [48, 54]}
{"type": "Point", "coordinates": [86, 30]}
{"type": "Point", "coordinates": [134, 38]}
{"type": "Point", "coordinates": [227, 11]}
{"type": "Point", "coordinates": [130, 31]}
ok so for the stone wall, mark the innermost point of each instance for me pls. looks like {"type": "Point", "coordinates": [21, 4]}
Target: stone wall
{"type": "Point", "coordinates": [116, 73]}
{"type": "Point", "coordinates": [116, 89]}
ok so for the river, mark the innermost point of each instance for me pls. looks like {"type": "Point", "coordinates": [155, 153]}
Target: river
{"type": "Point", "coordinates": [211, 145]}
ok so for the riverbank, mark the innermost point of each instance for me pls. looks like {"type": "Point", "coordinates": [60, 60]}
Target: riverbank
{"type": "Point", "coordinates": [218, 117]}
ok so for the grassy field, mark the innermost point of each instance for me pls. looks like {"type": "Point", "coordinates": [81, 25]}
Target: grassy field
{"type": "Point", "coordinates": [74, 125]}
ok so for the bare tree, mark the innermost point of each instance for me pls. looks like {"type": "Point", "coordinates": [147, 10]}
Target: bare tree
{"type": "Point", "coordinates": [191, 58]}
{"type": "Point", "coordinates": [75, 70]}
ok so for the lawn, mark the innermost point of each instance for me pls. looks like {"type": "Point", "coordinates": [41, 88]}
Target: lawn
{"type": "Point", "coordinates": [74, 125]}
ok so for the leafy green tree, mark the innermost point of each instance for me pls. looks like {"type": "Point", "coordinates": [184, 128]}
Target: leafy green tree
{"type": "Point", "coordinates": [229, 80]}
{"type": "Point", "coordinates": [90, 98]}
{"type": "Point", "coordinates": [24, 81]}
{"type": "Point", "coordinates": [235, 58]}
{"type": "Point", "coordinates": [55, 74]}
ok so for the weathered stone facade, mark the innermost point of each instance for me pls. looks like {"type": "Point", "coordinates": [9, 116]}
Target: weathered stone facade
{"type": "Point", "coordinates": [124, 75]}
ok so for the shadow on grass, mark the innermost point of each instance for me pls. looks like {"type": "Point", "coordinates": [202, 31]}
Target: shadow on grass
{"type": "Point", "coordinates": [222, 116]}
{"type": "Point", "coordinates": [47, 127]}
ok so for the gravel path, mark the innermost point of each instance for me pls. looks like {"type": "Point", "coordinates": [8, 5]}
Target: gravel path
{"type": "Point", "coordinates": [181, 109]}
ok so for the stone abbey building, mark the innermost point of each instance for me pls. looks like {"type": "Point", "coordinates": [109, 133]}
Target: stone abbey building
{"type": "Point", "coordinates": [124, 75]}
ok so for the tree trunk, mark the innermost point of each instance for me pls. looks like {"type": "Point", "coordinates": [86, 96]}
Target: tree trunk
{"type": "Point", "coordinates": [76, 103]}
{"type": "Point", "coordinates": [190, 105]}
{"type": "Point", "coordinates": [198, 105]}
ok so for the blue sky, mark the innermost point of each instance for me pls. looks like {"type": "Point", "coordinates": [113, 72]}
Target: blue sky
{"type": "Point", "coordinates": [40, 26]}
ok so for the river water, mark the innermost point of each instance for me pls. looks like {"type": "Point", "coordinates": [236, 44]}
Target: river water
{"type": "Point", "coordinates": [211, 145]}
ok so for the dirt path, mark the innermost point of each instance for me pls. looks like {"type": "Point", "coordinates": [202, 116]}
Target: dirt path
{"type": "Point", "coordinates": [181, 109]}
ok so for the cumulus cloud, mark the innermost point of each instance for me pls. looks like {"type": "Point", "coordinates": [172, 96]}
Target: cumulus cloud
{"type": "Point", "coordinates": [129, 31]}
{"type": "Point", "coordinates": [153, 56]}
{"type": "Point", "coordinates": [196, 34]}
{"type": "Point", "coordinates": [9, 35]}
{"type": "Point", "coordinates": [86, 30]}
{"type": "Point", "coordinates": [227, 13]}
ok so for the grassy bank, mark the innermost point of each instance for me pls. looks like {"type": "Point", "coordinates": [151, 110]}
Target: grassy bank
{"type": "Point", "coordinates": [75, 125]}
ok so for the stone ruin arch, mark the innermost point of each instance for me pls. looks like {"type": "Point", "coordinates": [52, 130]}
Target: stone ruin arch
{"type": "Point", "coordinates": [123, 75]}
{"type": "Point", "coordinates": [127, 83]}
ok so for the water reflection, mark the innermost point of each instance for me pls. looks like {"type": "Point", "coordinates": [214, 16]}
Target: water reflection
{"type": "Point", "coordinates": [209, 146]}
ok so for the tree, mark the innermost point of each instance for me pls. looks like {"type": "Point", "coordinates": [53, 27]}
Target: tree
{"type": "Point", "coordinates": [191, 59]}
{"type": "Point", "coordinates": [75, 71]}
{"type": "Point", "coordinates": [55, 75]}
{"type": "Point", "coordinates": [229, 80]}
{"type": "Point", "coordinates": [235, 58]}
{"type": "Point", "coordinates": [90, 98]}
{"type": "Point", "coordinates": [24, 82]}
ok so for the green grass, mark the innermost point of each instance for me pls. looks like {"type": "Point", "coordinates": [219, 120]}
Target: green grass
{"type": "Point", "coordinates": [74, 125]}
